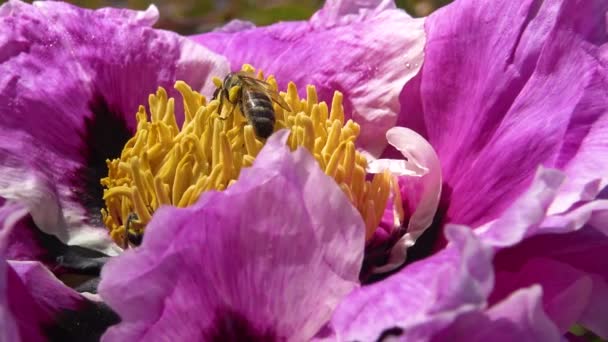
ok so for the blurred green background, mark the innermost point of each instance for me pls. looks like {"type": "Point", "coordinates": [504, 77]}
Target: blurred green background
{"type": "Point", "coordinates": [192, 16]}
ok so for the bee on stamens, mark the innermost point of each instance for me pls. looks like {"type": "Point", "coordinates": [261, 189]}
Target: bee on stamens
{"type": "Point", "coordinates": [133, 232]}
{"type": "Point", "coordinates": [254, 99]}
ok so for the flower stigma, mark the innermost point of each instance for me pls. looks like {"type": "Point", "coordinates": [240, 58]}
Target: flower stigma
{"type": "Point", "coordinates": [165, 165]}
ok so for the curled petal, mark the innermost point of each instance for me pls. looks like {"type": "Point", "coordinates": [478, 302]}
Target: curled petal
{"type": "Point", "coordinates": [21, 240]}
{"type": "Point", "coordinates": [235, 25]}
{"type": "Point", "coordinates": [18, 240]}
{"type": "Point", "coordinates": [572, 271]}
{"type": "Point", "coordinates": [422, 196]}
{"type": "Point", "coordinates": [562, 252]}
{"type": "Point", "coordinates": [567, 291]}
{"type": "Point", "coordinates": [27, 185]}
{"type": "Point", "coordinates": [420, 186]}
{"type": "Point", "coordinates": [520, 317]}
{"type": "Point", "coordinates": [423, 298]}
{"type": "Point", "coordinates": [269, 258]}
{"type": "Point", "coordinates": [530, 214]}
{"type": "Point", "coordinates": [339, 12]}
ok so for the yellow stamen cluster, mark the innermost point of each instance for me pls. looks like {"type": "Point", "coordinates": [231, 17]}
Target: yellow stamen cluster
{"type": "Point", "coordinates": [165, 165]}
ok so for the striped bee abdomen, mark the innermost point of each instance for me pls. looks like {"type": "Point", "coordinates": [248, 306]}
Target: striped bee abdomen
{"type": "Point", "coordinates": [257, 108]}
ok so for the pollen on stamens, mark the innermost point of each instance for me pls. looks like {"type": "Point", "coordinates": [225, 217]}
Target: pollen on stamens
{"type": "Point", "coordinates": [164, 164]}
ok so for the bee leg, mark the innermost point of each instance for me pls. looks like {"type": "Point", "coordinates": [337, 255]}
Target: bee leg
{"type": "Point", "coordinates": [224, 95]}
{"type": "Point", "coordinates": [216, 93]}
{"type": "Point", "coordinates": [221, 104]}
{"type": "Point", "coordinates": [233, 108]}
{"type": "Point", "coordinates": [241, 107]}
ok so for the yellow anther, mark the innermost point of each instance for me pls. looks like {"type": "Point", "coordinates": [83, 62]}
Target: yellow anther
{"type": "Point", "coordinates": [185, 198]}
{"type": "Point", "coordinates": [140, 206]}
{"type": "Point", "coordinates": [183, 178]}
{"type": "Point", "coordinates": [336, 157]}
{"type": "Point", "coordinates": [248, 68]}
{"type": "Point", "coordinates": [383, 187]}
{"type": "Point", "coordinates": [349, 162]}
{"type": "Point", "coordinates": [336, 108]}
{"type": "Point", "coordinates": [252, 144]}
{"type": "Point", "coordinates": [164, 164]}
{"type": "Point", "coordinates": [397, 203]}
{"type": "Point", "coordinates": [162, 191]}
{"type": "Point", "coordinates": [248, 160]}
{"type": "Point", "coordinates": [158, 104]}
{"type": "Point", "coordinates": [293, 100]}
{"type": "Point", "coordinates": [333, 140]}
{"type": "Point", "coordinates": [117, 191]}
{"type": "Point", "coordinates": [323, 113]}
{"type": "Point", "coordinates": [215, 143]}
{"type": "Point", "coordinates": [192, 100]}
{"type": "Point", "coordinates": [216, 81]}
{"type": "Point", "coordinates": [311, 97]}
{"type": "Point", "coordinates": [226, 157]}
{"type": "Point", "coordinates": [214, 178]}
{"type": "Point", "coordinates": [233, 93]}
{"type": "Point", "coordinates": [138, 178]}
{"type": "Point", "coordinates": [309, 133]}
{"type": "Point", "coordinates": [371, 221]}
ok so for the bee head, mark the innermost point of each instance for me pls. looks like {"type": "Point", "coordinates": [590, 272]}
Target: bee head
{"type": "Point", "coordinates": [232, 80]}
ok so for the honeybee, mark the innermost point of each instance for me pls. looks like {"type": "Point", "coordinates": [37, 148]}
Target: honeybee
{"type": "Point", "coordinates": [133, 236]}
{"type": "Point", "coordinates": [254, 99]}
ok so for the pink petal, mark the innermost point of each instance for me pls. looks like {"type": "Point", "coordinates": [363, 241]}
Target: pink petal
{"type": "Point", "coordinates": [268, 258]}
{"type": "Point", "coordinates": [71, 81]}
{"type": "Point", "coordinates": [367, 50]}
{"type": "Point", "coordinates": [507, 86]}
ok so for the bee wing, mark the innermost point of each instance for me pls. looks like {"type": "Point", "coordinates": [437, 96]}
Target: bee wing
{"type": "Point", "coordinates": [263, 86]}
{"type": "Point", "coordinates": [274, 95]}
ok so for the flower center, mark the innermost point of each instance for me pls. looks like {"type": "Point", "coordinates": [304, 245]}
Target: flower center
{"type": "Point", "coordinates": [165, 165]}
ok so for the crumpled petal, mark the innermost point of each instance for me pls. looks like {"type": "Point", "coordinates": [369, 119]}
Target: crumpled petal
{"type": "Point", "coordinates": [562, 252]}
{"type": "Point", "coordinates": [367, 50]}
{"type": "Point", "coordinates": [268, 258]}
{"type": "Point", "coordinates": [567, 291]}
{"type": "Point", "coordinates": [71, 81]}
{"type": "Point", "coordinates": [235, 25]}
{"type": "Point", "coordinates": [422, 298]}
{"type": "Point", "coordinates": [520, 317]}
{"type": "Point", "coordinates": [35, 306]}
{"type": "Point", "coordinates": [18, 240]}
{"type": "Point", "coordinates": [530, 214]}
{"type": "Point", "coordinates": [507, 86]}
{"type": "Point", "coordinates": [419, 183]}
{"type": "Point", "coordinates": [21, 240]}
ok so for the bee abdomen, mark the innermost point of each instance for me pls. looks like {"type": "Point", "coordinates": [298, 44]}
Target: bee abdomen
{"type": "Point", "coordinates": [263, 127]}
{"type": "Point", "coordinates": [258, 103]}
{"type": "Point", "coordinates": [258, 110]}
